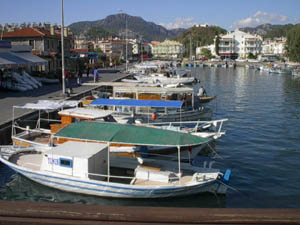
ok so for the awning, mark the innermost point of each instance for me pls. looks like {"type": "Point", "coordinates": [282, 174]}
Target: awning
{"type": "Point", "coordinates": [48, 105]}
{"type": "Point", "coordinates": [137, 103]}
{"type": "Point", "coordinates": [4, 61]}
{"type": "Point", "coordinates": [9, 58]}
{"type": "Point", "coordinates": [31, 58]}
{"type": "Point", "coordinates": [128, 134]}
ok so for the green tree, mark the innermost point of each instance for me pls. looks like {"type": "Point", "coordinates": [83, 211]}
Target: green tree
{"type": "Point", "coordinates": [251, 56]}
{"type": "Point", "coordinates": [206, 53]}
{"type": "Point", "coordinates": [293, 44]}
{"type": "Point", "coordinates": [217, 44]}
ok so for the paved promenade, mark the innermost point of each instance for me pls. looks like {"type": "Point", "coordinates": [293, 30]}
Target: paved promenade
{"type": "Point", "coordinates": [54, 91]}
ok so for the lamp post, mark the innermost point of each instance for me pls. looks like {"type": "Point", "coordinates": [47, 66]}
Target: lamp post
{"type": "Point", "coordinates": [62, 49]}
{"type": "Point", "coordinates": [126, 45]}
{"type": "Point", "coordinates": [126, 41]}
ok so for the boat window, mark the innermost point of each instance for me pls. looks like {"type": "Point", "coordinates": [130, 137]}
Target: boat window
{"type": "Point", "coordinates": [65, 162]}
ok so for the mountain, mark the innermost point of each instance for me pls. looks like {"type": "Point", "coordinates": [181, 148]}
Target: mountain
{"type": "Point", "coordinates": [114, 25]}
{"type": "Point", "coordinates": [268, 30]}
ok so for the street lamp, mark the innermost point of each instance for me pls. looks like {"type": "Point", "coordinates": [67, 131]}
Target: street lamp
{"type": "Point", "coordinates": [62, 49]}
{"type": "Point", "coordinates": [120, 10]}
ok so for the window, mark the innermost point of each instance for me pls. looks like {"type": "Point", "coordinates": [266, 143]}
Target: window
{"type": "Point", "coordinates": [31, 43]}
{"type": "Point", "coordinates": [65, 162]}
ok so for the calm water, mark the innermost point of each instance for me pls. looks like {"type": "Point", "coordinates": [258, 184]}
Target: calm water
{"type": "Point", "coordinates": [262, 146]}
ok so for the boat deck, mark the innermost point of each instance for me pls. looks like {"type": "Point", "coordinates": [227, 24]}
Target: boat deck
{"type": "Point", "coordinates": [183, 180]}
{"type": "Point", "coordinates": [29, 161]}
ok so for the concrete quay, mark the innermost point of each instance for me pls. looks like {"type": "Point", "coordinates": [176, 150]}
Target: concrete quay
{"type": "Point", "coordinates": [8, 99]}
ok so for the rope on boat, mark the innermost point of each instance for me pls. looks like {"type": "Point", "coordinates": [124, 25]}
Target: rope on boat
{"type": "Point", "coordinates": [215, 151]}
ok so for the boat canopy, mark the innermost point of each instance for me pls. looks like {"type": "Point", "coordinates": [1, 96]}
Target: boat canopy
{"type": "Point", "coordinates": [137, 103]}
{"type": "Point", "coordinates": [128, 134]}
{"type": "Point", "coordinates": [48, 105]}
{"type": "Point", "coordinates": [85, 113]}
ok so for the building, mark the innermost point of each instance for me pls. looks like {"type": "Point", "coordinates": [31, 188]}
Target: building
{"type": "Point", "coordinates": [168, 49]}
{"type": "Point", "coordinates": [274, 46]}
{"type": "Point", "coordinates": [239, 44]}
{"type": "Point", "coordinates": [45, 42]}
{"type": "Point", "coordinates": [19, 56]}
{"type": "Point", "coordinates": [114, 48]}
{"type": "Point", "coordinates": [212, 49]}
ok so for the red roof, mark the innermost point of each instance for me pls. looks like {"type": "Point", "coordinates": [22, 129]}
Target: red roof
{"type": "Point", "coordinates": [30, 32]}
{"type": "Point", "coordinates": [84, 50]}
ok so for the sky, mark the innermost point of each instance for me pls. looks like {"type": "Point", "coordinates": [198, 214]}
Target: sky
{"type": "Point", "coordinates": [228, 14]}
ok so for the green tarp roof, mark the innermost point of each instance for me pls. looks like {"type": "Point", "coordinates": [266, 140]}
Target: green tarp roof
{"type": "Point", "coordinates": [127, 134]}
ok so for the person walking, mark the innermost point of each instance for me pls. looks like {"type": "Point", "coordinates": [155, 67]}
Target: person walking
{"type": "Point", "coordinates": [96, 74]}
{"type": "Point", "coordinates": [79, 76]}
{"type": "Point", "coordinates": [87, 71]}
{"type": "Point", "coordinates": [67, 78]}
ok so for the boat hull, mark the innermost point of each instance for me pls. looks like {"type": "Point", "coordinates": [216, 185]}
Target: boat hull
{"type": "Point", "coordinates": [114, 190]}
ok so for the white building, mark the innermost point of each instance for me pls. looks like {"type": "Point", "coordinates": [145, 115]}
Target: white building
{"type": "Point", "coordinates": [239, 44]}
{"type": "Point", "coordinates": [274, 46]}
{"type": "Point", "coordinates": [168, 49]}
{"type": "Point", "coordinates": [212, 49]}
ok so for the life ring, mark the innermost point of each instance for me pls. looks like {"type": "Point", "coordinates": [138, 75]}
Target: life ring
{"type": "Point", "coordinates": [154, 116]}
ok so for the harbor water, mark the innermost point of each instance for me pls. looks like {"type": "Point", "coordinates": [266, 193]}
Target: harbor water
{"type": "Point", "coordinates": [261, 146]}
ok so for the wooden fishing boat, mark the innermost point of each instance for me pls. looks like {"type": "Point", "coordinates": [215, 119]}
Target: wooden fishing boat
{"type": "Point", "coordinates": [89, 168]}
{"type": "Point", "coordinates": [206, 99]}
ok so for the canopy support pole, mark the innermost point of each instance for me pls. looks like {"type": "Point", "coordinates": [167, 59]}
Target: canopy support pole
{"type": "Point", "coordinates": [108, 161]}
{"type": "Point", "coordinates": [179, 164]}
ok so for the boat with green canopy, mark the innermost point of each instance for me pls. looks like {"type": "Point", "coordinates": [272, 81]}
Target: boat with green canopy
{"type": "Point", "coordinates": [86, 166]}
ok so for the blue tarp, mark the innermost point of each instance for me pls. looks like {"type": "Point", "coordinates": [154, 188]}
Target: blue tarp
{"type": "Point", "coordinates": [12, 58]}
{"type": "Point", "coordinates": [138, 103]}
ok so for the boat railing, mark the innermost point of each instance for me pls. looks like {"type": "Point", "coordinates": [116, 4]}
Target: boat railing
{"type": "Point", "coordinates": [37, 126]}
{"type": "Point", "coordinates": [217, 124]}
{"type": "Point", "coordinates": [28, 129]}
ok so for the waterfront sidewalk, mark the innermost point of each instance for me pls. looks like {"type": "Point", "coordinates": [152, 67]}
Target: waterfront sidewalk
{"type": "Point", "coordinates": [48, 92]}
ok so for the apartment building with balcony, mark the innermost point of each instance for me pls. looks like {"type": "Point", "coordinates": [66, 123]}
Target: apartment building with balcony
{"type": "Point", "coordinates": [114, 48]}
{"type": "Point", "coordinates": [239, 44]}
{"type": "Point", "coordinates": [274, 47]}
{"type": "Point", "coordinates": [168, 49]}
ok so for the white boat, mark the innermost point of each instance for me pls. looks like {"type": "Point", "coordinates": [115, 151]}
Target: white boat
{"type": "Point", "coordinates": [296, 72]}
{"type": "Point", "coordinates": [45, 80]}
{"type": "Point", "coordinates": [37, 136]}
{"type": "Point", "coordinates": [13, 85]}
{"type": "Point", "coordinates": [190, 108]}
{"type": "Point", "coordinates": [18, 78]}
{"type": "Point", "coordinates": [88, 168]}
{"type": "Point", "coordinates": [26, 136]}
{"type": "Point", "coordinates": [32, 79]}
{"type": "Point", "coordinates": [160, 78]}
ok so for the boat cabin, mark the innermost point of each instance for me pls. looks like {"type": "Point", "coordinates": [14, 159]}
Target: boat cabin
{"type": "Point", "coordinates": [77, 114]}
{"type": "Point", "coordinates": [184, 94]}
{"type": "Point", "coordinates": [79, 159]}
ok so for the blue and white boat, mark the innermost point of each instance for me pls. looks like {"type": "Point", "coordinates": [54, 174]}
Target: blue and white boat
{"type": "Point", "coordinates": [88, 168]}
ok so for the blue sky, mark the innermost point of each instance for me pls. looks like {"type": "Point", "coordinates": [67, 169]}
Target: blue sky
{"type": "Point", "coordinates": [228, 14]}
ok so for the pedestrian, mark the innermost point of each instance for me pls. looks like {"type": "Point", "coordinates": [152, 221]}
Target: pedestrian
{"type": "Point", "coordinates": [96, 74]}
{"type": "Point", "coordinates": [87, 71]}
{"type": "Point", "coordinates": [79, 75]}
{"type": "Point", "coordinates": [67, 78]}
